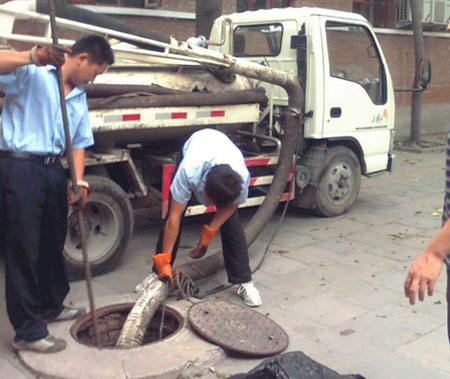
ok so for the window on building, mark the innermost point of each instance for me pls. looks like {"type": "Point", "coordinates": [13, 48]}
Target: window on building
{"type": "Point", "coordinates": [257, 40]}
{"type": "Point", "coordinates": [251, 5]}
{"type": "Point", "coordinates": [380, 13]}
{"type": "Point", "coordinates": [353, 56]}
{"type": "Point", "coordinates": [119, 3]}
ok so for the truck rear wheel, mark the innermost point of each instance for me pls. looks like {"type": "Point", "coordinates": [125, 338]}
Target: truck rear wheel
{"type": "Point", "coordinates": [108, 220]}
{"type": "Point", "coordinates": [339, 184]}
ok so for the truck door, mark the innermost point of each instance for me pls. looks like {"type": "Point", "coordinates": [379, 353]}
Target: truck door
{"type": "Point", "coordinates": [358, 102]}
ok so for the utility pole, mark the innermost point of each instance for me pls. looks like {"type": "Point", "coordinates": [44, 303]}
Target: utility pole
{"type": "Point", "coordinates": [416, 98]}
{"type": "Point", "coordinates": [206, 11]}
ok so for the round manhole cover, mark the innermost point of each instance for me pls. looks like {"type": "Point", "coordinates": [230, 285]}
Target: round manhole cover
{"type": "Point", "coordinates": [237, 329]}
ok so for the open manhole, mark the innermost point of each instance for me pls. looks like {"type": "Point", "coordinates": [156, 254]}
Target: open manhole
{"type": "Point", "coordinates": [111, 320]}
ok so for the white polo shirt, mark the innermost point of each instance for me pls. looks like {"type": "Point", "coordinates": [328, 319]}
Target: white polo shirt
{"type": "Point", "coordinates": [202, 151]}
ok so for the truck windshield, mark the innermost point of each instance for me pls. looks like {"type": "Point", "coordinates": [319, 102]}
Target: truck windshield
{"type": "Point", "coordinates": [353, 56]}
{"type": "Point", "coordinates": [257, 40]}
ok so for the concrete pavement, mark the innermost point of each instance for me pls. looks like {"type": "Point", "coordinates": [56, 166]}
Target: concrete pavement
{"type": "Point", "coordinates": [335, 285]}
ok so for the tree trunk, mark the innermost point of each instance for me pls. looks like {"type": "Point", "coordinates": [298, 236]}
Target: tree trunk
{"type": "Point", "coordinates": [206, 11]}
{"type": "Point", "coordinates": [416, 98]}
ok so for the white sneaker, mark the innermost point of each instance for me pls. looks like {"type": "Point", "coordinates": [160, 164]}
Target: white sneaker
{"type": "Point", "coordinates": [47, 344]}
{"type": "Point", "coordinates": [150, 278]}
{"type": "Point", "coordinates": [249, 294]}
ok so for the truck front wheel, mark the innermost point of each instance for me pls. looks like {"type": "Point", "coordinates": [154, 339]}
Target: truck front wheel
{"type": "Point", "coordinates": [108, 220]}
{"type": "Point", "coordinates": [339, 183]}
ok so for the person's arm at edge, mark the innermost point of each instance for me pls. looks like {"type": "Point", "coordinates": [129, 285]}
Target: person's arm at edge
{"type": "Point", "coordinates": [10, 60]}
{"type": "Point", "coordinates": [172, 227]}
{"type": "Point", "coordinates": [440, 244]}
{"type": "Point", "coordinates": [426, 268]}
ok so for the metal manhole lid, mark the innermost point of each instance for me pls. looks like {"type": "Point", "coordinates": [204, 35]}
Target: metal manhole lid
{"type": "Point", "coordinates": [237, 329]}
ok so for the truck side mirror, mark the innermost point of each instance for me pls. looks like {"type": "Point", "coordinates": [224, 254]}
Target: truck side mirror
{"type": "Point", "coordinates": [425, 72]}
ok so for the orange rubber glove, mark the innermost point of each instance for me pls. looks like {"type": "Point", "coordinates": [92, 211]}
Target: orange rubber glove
{"type": "Point", "coordinates": [163, 266]}
{"type": "Point", "coordinates": [207, 235]}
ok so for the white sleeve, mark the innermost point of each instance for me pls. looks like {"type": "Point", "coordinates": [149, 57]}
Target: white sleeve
{"type": "Point", "coordinates": [180, 188]}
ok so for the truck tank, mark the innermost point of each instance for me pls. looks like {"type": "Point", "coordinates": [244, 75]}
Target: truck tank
{"type": "Point", "coordinates": [131, 85]}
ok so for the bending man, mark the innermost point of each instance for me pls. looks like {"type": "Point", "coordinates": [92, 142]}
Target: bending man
{"type": "Point", "coordinates": [213, 169]}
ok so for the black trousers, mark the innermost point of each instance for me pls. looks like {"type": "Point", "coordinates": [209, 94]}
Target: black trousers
{"type": "Point", "coordinates": [234, 248]}
{"type": "Point", "coordinates": [33, 225]}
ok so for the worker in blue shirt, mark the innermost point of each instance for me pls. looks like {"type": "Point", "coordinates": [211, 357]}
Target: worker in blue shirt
{"type": "Point", "coordinates": [33, 184]}
{"type": "Point", "coordinates": [213, 170]}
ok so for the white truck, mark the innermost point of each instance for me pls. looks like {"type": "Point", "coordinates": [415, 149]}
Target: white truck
{"type": "Point", "coordinates": [148, 103]}
{"type": "Point", "coordinates": [349, 98]}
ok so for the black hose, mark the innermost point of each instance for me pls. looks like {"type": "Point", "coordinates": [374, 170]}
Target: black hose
{"type": "Point", "coordinates": [143, 100]}
{"type": "Point", "coordinates": [163, 98]}
{"type": "Point", "coordinates": [106, 90]}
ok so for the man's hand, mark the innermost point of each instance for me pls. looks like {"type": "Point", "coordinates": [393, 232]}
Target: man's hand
{"type": "Point", "coordinates": [423, 275]}
{"type": "Point", "coordinates": [53, 55]}
{"type": "Point", "coordinates": [163, 266]}
{"type": "Point", "coordinates": [207, 235]}
{"type": "Point", "coordinates": [77, 200]}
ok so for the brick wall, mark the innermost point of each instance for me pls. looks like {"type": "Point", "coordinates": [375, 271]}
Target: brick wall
{"type": "Point", "coordinates": [177, 5]}
{"type": "Point", "coordinates": [180, 29]}
{"type": "Point", "coordinates": [342, 5]}
{"type": "Point", "coordinates": [399, 53]}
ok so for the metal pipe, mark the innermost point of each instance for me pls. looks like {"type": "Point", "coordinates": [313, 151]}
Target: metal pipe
{"type": "Point", "coordinates": [70, 161]}
{"type": "Point", "coordinates": [67, 11]}
{"type": "Point", "coordinates": [143, 42]}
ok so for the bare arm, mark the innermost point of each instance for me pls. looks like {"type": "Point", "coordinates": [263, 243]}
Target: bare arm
{"type": "Point", "coordinates": [427, 267]}
{"type": "Point", "coordinates": [10, 60]}
{"type": "Point", "coordinates": [172, 226]}
{"type": "Point", "coordinates": [78, 159]}
{"type": "Point", "coordinates": [440, 244]}
{"type": "Point", "coordinates": [222, 215]}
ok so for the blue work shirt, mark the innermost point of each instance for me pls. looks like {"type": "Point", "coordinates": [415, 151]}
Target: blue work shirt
{"type": "Point", "coordinates": [31, 119]}
{"type": "Point", "coordinates": [202, 151]}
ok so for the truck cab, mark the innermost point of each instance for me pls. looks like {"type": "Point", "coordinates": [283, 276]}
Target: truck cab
{"type": "Point", "coordinates": [349, 98]}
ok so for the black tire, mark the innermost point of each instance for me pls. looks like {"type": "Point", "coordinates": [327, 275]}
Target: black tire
{"type": "Point", "coordinates": [339, 182]}
{"type": "Point", "coordinates": [109, 224]}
